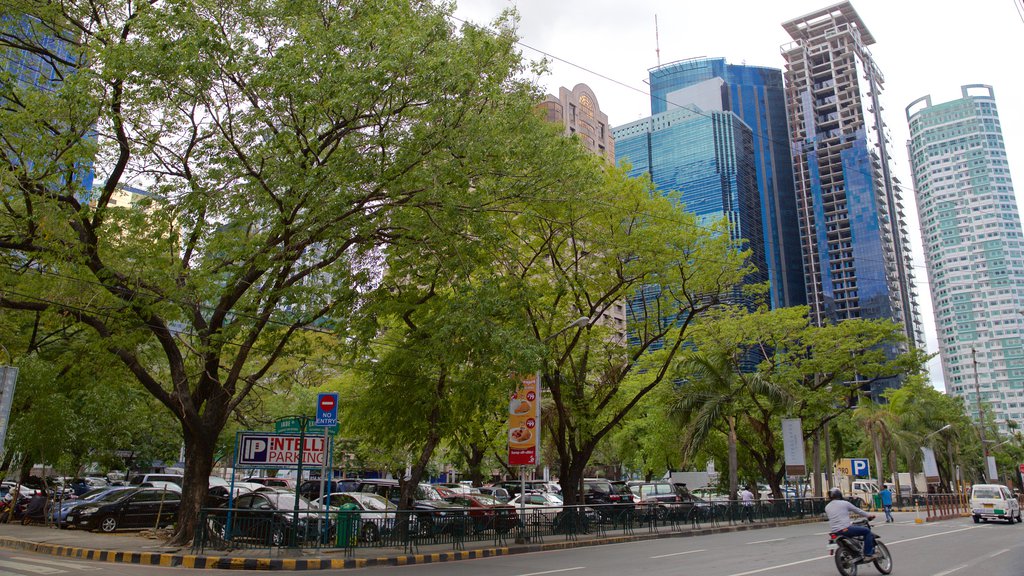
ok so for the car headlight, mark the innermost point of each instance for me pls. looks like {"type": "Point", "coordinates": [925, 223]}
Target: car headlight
{"type": "Point", "coordinates": [88, 510]}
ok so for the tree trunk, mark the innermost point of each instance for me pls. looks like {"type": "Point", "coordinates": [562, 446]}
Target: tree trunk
{"type": "Point", "coordinates": [733, 461]}
{"type": "Point", "coordinates": [199, 452]}
{"type": "Point", "coordinates": [816, 455]}
{"type": "Point", "coordinates": [474, 464]}
{"type": "Point", "coordinates": [879, 471]}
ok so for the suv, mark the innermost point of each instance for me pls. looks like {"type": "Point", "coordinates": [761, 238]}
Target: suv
{"type": "Point", "coordinates": [608, 499]}
{"type": "Point", "coordinates": [310, 489]}
{"type": "Point", "coordinates": [158, 481]}
{"type": "Point", "coordinates": [995, 502]}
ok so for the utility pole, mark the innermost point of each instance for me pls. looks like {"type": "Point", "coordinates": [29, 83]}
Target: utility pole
{"type": "Point", "coordinates": [981, 420]}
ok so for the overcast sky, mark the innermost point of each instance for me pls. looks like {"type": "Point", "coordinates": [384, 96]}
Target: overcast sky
{"type": "Point", "coordinates": [921, 48]}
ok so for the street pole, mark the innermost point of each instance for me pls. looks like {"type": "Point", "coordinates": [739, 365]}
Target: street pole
{"type": "Point", "coordinates": [298, 483]}
{"type": "Point", "coordinates": [981, 420]}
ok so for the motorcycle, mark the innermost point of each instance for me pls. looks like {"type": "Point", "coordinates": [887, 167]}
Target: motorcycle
{"type": "Point", "coordinates": [848, 552]}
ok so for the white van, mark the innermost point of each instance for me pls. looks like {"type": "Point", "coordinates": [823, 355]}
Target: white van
{"type": "Point", "coordinates": [994, 501]}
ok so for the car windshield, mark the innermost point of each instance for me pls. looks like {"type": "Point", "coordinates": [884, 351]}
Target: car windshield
{"type": "Point", "coordinates": [987, 493]}
{"type": "Point", "coordinates": [285, 501]}
{"type": "Point", "coordinates": [375, 502]}
{"type": "Point", "coordinates": [113, 496]}
{"type": "Point", "coordinates": [487, 500]}
{"type": "Point", "coordinates": [92, 493]}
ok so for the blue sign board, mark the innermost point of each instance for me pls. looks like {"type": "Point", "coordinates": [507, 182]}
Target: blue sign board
{"type": "Point", "coordinates": [860, 467]}
{"type": "Point", "coordinates": [326, 409]}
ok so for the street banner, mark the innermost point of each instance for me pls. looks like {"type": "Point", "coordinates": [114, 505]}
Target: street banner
{"type": "Point", "coordinates": [793, 446]}
{"type": "Point", "coordinates": [524, 422]}
{"type": "Point", "coordinates": [269, 450]}
{"type": "Point", "coordinates": [8, 378]}
{"type": "Point", "coordinates": [931, 469]}
{"type": "Point", "coordinates": [993, 473]}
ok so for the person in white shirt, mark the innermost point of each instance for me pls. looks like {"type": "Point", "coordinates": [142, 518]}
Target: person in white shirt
{"type": "Point", "coordinates": [838, 511]}
{"type": "Point", "coordinates": [747, 497]}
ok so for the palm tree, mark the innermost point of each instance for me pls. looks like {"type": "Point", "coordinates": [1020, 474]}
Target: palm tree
{"type": "Point", "coordinates": [879, 422]}
{"type": "Point", "coordinates": [711, 397]}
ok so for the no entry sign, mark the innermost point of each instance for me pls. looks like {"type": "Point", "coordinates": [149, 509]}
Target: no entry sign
{"type": "Point", "coordinates": [327, 409]}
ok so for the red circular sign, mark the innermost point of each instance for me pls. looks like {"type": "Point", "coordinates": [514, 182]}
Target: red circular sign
{"type": "Point", "coordinates": [531, 396]}
{"type": "Point", "coordinates": [327, 403]}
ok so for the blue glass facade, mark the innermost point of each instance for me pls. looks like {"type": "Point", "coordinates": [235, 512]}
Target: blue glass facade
{"type": "Point", "coordinates": [29, 69]}
{"type": "Point", "coordinates": [707, 157]}
{"type": "Point", "coordinates": [757, 96]}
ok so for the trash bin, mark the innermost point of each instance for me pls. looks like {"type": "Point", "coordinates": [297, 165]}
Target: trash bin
{"type": "Point", "coordinates": [348, 526]}
{"type": "Point", "coordinates": [876, 501]}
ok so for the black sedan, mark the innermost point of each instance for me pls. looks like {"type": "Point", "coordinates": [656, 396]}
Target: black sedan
{"type": "Point", "coordinates": [132, 508]}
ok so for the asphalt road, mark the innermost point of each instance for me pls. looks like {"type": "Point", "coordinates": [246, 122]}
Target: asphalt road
{"type": "Point", "coordinates": [951, 548]}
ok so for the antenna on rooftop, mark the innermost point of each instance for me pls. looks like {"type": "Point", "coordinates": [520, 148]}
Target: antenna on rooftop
{"type": "Point", "coordinates": [657, 41]}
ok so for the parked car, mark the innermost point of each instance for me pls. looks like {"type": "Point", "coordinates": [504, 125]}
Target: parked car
{"type": "Point", "coordinates": [269, 517]}
{"type": "Point", "coordinates": [272, 481]}
{"type": "Point", "coordinates": [994, 502]}
{"type": "Point", "coordinates": [487, 512]}
{"type": "Point", "coordinates": [310, 489]}
{"type": "Point", "coordinates": [60, 509]}
{"type": "Point", "coordinates": [132, 508]}
{"type": "Point", "coordinates": [434, 514]}
{"type": "Point", "coordinates": [157, 480]}
{"type": "Point", "coordinates": [544, 504]}
{"type": "Point", "coordinates": [377, 514]}
{"type": "Point", "coordinates": [496, 492]}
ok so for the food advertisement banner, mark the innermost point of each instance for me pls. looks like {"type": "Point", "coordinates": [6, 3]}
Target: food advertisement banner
{"type": "Point", "coordinates": [524, 422]}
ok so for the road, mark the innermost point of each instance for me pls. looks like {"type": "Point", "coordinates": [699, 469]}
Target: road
{"type": "Point", "coordinates": [952, 548]}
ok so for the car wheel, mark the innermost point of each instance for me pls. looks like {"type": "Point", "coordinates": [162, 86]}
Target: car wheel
{"type": "Point", "coordinates": [278, 536]}
{"type": "Point", "coordinates": [108, 524]}
{"type": "Point", "coordinates": [977, 520]}
{"type": "Point", "coordinates": [369, 533]}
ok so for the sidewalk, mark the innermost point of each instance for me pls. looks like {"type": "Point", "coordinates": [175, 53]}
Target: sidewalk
{"type": "Point", "coordinates": [136, 548]}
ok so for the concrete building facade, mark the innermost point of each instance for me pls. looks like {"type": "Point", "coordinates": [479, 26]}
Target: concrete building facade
{"type": "Point", "coordinates": [974, 247]}
{"type": "Point", "coordinates": [856, 253]}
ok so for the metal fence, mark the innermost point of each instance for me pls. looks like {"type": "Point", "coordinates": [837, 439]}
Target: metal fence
{"type": "Point", "coordinates": [348, 530]}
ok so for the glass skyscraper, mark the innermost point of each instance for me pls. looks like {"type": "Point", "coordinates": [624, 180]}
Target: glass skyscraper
{"type": "Point", "coordinates": [974, 248]}
{"type": "Point", "coordinates": [852, 228]}
{"type": "Point", "coordinates": [708, 158]}
{"type": "Point", "coordinates": [756, 96]}
{"type": "Point", "coordinates": [27, 69]}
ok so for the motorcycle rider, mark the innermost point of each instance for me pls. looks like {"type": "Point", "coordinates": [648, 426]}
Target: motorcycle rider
{"type": "Point", "coordinates": [838, 510]}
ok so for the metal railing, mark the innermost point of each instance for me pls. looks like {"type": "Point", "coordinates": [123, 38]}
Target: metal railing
{"type": "Point", "coordinates": [348, 530]}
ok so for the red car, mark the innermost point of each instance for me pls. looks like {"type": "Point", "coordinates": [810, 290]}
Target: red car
{"type": "Point", "coordinates": [486, 512]}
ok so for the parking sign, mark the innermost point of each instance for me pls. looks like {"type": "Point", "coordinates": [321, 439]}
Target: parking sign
{"type": "Point", "coordinates": [860, 467]}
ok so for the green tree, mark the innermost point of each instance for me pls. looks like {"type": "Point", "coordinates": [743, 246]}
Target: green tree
{"type": "Point", "coordinates": [281, 142]}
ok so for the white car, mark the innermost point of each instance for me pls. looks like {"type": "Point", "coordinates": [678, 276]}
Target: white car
{"type": "Point", "coordinates": [377, 514]}
{"type": "Point", "coordinates": [994, 502]}
{"type": "Point", "coordinates": [539, 503]}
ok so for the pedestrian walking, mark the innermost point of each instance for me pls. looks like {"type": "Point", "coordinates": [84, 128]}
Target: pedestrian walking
{"type": "Point", "coordinates": [886, 497]}
{"type": "Point", "coordinates": [747, 498]}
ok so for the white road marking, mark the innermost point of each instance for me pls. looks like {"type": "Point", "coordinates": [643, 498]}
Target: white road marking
{"type": "Point", "coordinates": [951, 570]}
{"type": "Point", "coordinates": [994, 554]}
{"type": "Point", "coordinates": [758, 571]}
{"type": "Point", "coordinates": [933, 535]}
{"type": "Point", "coordinates": [764, 541]}
{"type": "Point", "coordinates": [554, 571]}
{"type": "Point", "coordinates": [75, 565]}
{"type": "Point", "coordinates": [31, 567]}
{"type": "Point", "coordinates": [776, 567]}
{"type": "Point", "coordinates": [677, 554]}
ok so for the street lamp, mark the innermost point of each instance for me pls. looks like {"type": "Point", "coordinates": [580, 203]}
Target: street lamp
{"type": "Point", "coordinates": [577, 323]}
{"type": "Point", "coordinates": [981, 418]}
{"type": "Point", "coordinates": [943, 429]}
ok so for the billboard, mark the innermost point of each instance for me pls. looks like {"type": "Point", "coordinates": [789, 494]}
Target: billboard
{"type": "Point", "coordinates": [269, 450]}
{"type": "Point", "coordinates": [524, 422]}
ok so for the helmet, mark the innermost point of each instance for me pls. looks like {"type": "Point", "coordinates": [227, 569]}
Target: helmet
{"type": "Point", "coordinates": [835, 494]}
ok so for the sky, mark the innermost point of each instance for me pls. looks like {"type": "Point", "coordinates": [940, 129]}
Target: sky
{"type": "Point", "coordinates": [921, 47]}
